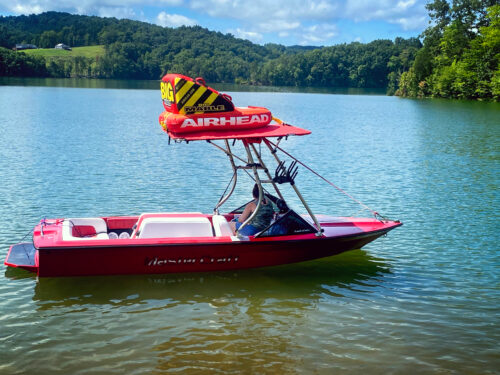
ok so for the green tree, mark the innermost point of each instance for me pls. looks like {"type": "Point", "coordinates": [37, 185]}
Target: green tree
{"type": "Point", "coordinates": [48, 39]}
{"type": "Point", "coordinates": [461, 53]}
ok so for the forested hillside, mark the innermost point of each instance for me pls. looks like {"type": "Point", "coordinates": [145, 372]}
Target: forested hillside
{"type": "Point", "coordinates": [14, 64]}
{"type": "Point", "coordinates": [138, 50]}
{"type": "Point", "coordinates": [461, 53]}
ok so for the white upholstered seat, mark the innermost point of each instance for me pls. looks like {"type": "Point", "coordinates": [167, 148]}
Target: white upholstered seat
{"type": "Point", "coordinates": [167, 227]}
{"type": "Point", "coordinates": [99, 225]}
{"type": "Point", "coordinates": [221, 226]}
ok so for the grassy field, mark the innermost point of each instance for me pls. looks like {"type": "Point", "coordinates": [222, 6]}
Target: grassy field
{"type": "Point", "coordinates": [51, 53]}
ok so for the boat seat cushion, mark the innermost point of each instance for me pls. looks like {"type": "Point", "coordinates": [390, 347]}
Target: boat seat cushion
{"type": "Point", "coordinates": [92, 228]}
{"type": "Point", "coordinates": [221, 226]}
{"type": "Point", "coordinates": [167, 227]}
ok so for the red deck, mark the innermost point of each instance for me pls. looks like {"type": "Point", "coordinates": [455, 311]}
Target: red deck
{"type": "Point", "coordinates": [269, 131]}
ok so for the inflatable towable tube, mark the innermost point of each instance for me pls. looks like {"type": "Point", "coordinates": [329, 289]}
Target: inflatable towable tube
{"type": "Point", "coordinates": [191, 106]}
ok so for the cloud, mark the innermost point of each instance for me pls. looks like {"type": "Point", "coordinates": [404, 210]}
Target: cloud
{"type": "Point", "coordinates": [319, 34]}
{"type": "Point", "coordinates": [23, 8]}
{"type": "Point", "coordinates": [278, 25]}
{"type": "Point", "coordinates": [106, 8]}
{"type": "Point", "coordinates": [258, 11]}
{"type": "Point", "coordinates": [118, 12]}
{"type": "Point", "coordinates": [250, 35]}
{"type": "Point", "coordinates": [412, 23]}
{"type": "Point", "coordinates": [174, 20]}
{"type": "Point", "coordinates": [275, 16]}
{"type": "Point", "coordinates": [285, 19]}
{"type": "Point", "coordinates": [409, 14]}
{"type": "Point", "coordinates": [312, 21]}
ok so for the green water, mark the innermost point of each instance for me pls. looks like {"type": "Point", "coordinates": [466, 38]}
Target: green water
{"type": "Point", "coordinates": [153, 85]}
{"type": "Point", "coordinates": [424, 299]}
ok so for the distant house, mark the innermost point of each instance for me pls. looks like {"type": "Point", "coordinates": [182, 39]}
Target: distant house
{"type": "Point", "coordinates": [20, 47]}
{"type": "Point", "coordinates": [63, 46]}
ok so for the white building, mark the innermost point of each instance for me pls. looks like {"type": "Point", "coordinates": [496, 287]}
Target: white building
{"type": "Point", "coordinates": [63, 46]}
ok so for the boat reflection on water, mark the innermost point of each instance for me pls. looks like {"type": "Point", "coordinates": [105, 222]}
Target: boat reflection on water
{"type": "Point", "coordinates": [306, 280]}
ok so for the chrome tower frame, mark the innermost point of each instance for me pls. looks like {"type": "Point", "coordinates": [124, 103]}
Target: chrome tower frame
{"type": "Point", "coordinates": [250, 163]}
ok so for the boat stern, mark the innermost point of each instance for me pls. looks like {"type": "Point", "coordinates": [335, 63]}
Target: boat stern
{"type": "Point", "coordinates": [23, 255]}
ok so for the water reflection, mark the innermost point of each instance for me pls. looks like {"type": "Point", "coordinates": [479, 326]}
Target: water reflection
{"type": "Point", "coordinates": [248, 350]}
{"type": "Point", "coordinates": [246, 321]}
{"type": "Point", "coordinates": [154, 85]}
{"type": "Point", "coordinates": [349, 271]}
{"type": "Point", "coordinates": [81, 83]}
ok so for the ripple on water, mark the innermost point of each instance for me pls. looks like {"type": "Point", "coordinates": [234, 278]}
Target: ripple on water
{"type": "Point", "coordinates": [423, 299]}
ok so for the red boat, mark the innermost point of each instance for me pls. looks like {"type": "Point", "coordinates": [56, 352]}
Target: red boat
{"type": "Point", "coordinates": [192, 241]}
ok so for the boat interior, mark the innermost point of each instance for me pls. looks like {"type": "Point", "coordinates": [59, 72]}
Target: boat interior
{"type": "Point", "coordinates": [173, 225]}
{"type": "Point", "coordinates": [148, 225]}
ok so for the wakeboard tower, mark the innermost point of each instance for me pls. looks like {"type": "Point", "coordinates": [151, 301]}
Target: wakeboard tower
{"type": "Point", "coordinates": [193, 241]}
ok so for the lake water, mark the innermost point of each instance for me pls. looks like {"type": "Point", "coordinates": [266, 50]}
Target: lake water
{"type": "Point", "coordinates": [424, 299]}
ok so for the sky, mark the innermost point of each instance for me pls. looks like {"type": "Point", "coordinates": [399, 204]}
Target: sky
{"type": "Point", "coordinates": [287, 22]}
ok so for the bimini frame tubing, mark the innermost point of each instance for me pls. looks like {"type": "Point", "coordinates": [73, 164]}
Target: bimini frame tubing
{"type": "Point", "coordinates": [235, 175]}
{"type": "Point", "coordinates": [251, 164]}
{"type": "Point", "coordinates": [304, 203]}
{"type": "Point", "coordinates": [266, 171]}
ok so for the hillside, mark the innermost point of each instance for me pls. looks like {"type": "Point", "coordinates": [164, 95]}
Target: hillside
{"type": "Point", "coordinates": [138, 50]}
{"type": "Point", "coordinates": [51, 53]}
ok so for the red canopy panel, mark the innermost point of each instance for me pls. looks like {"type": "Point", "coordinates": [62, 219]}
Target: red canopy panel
{"type": "Point", "coordinates": [269, 131]}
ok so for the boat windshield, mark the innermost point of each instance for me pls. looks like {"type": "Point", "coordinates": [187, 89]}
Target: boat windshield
{"type": "Point", "coordinates": [288, 224]}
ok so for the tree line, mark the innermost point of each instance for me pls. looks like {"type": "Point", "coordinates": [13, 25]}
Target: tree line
{"type": "Point", "coordinates": [13, 64]}
{"type": "Point", "coordinates": [460, 55]}
{"type": "Point", "coordinates": [138, 50]}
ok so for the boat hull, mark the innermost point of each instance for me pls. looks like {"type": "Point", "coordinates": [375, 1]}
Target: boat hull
{"type": "Point", "coordinates": [181, 258]}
